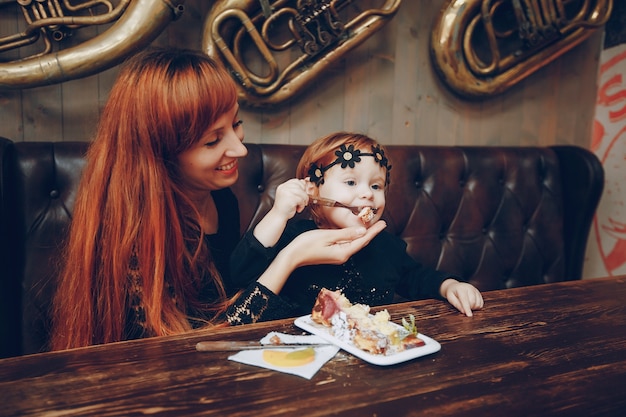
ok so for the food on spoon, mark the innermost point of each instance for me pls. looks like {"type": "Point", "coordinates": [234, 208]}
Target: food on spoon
{"type": "Point", "coordinates": [287, 358]}
{"type": "Point", "coordinates": [353, 323]}
{"type": "Point", "coordinates": [366, 215]}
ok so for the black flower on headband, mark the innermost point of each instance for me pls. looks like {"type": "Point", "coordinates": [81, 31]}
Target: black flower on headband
{"type": "Point", "coordinates": [347, 156]}
{"type": "Point", "coordinates": [379, 156]}
{"type": "Point", "coordinates": [316, 175]}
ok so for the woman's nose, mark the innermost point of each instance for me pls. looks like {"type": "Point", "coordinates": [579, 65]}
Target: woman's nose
{"type": "Point", "coordinates": [236, 148]}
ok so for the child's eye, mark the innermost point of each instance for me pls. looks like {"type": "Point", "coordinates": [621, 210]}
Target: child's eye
{"type": "Point", "coordinates": [350, 183]}
{"type": "Point", "coordinates": [376, 187]}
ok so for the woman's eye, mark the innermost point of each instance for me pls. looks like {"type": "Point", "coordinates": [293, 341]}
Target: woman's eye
{"type": "Point", "coordinates": [237, 124]}
{"type": "Point", "coordinates": [213, 143]}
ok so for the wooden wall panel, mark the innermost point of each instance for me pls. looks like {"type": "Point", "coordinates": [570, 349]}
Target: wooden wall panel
{"type": "Point", "coordinates": [386, 88]}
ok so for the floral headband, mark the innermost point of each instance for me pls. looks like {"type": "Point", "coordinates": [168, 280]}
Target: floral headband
{"type": "Point", "coordinates": [348, 157]}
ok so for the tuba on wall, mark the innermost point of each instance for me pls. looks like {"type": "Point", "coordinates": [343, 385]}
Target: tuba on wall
{"type": "Point", "coordinates": [50, 25]}
{"type": "Point", "coordinates": [274, 50]}
{"type": "Point", "coordinates": [483, 47]}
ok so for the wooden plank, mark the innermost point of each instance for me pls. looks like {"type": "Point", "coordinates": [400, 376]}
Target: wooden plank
{"type": "Point", "coordinates": [319, 110]}
{"type": "Point", "coordinates": [356, 103]}
{"type": "Point", "coordinates": [380, 82]}
{"type": "Point", "coordinates": [80, 106]}
{"type": "Point", "coordinates": [578, 97]}
{"type": "Point", "coordinates": [11, 120]}
{"type": "Point", "coordinates": [411, 60]}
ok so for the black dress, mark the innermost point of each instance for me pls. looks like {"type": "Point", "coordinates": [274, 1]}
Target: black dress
{"type": "Point", "coordinates": [372, 276]}
{"type": "Point", "coordinates": [253, 303]}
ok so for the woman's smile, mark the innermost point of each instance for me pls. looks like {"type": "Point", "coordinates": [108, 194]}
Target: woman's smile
{"type": "Point", "coordinates": [228, 168]}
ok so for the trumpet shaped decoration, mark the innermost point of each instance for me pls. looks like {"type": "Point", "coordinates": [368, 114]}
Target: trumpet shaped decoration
{"type": "Point", "coordinates": [481, 48]}
{"type": "Point", "coordinates": [275, 50]}
{"type": "Point", "coordinates": [45, 57]}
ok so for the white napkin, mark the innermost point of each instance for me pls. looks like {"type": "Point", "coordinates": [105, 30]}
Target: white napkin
{"type": "Point", "coordinates": [322, 354]}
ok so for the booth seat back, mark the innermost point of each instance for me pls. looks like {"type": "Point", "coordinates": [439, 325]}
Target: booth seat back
{"type": "Point", "coordinates": [500, 217]}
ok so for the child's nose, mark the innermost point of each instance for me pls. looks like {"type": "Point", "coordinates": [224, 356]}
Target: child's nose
{"type": "Point", "coordinates": [366, 192]}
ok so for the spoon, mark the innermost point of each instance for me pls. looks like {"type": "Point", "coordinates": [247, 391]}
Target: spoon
{"type": "Point", "coordinates": [320, 201]}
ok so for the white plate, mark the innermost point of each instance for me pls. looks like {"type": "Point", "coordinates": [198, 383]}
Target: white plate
{"type": "Point", "coordinates": [431, 345]}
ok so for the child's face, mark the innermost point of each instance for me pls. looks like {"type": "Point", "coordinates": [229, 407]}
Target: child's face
{"type": "Point", "coordinates": [361, 186]}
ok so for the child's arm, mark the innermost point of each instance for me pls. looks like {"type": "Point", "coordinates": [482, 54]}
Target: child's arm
{"type": "Point", "coordinates": [462, 295]}
{"type": "Point", "coordinates": [291, 198]}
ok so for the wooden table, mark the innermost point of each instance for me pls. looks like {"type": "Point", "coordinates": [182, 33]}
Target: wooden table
{"type": "Point", "coordinates": [555, 349]}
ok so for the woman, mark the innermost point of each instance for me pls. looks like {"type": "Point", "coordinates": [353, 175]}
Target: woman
{"type": "Point", "coordinates": [154, 221]}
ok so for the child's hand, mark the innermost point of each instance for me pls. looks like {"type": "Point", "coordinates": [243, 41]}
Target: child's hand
{"type": "Point", "coordinates": [291, 198]}
{"type": "Point", "coordinates": [465, 297]}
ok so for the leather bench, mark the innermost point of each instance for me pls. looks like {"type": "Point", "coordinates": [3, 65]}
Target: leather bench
{"type": "Point", "coordinates": [499, 216]}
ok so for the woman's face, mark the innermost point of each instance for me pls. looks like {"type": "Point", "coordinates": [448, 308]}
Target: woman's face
{"type": "Point", "coordinates": [212, 163]}
{"type": "Point", "coordinates": [361, 186]}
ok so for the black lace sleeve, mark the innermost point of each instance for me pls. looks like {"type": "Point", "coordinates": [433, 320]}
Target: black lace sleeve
{"type": "Point", "coordinates": [257, 303]}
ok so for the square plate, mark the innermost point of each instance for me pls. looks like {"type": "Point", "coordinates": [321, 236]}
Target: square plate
{"type": "Point", "coordinates": [431, 345]}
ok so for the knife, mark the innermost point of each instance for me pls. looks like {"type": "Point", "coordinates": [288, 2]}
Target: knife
{"type": "Point", "coordinates": [231, 345]}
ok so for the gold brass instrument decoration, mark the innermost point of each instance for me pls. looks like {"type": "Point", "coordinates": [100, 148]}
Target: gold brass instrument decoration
{"type": "Point", "coordinates": [483, 47]}
{"type": "Point", "coordinates": [51, 23]}
{"type": "Point", "coordinates": [257, 41]}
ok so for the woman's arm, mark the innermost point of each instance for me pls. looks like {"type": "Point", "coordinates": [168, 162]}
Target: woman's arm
{"type": "Point", "coordinates": [260, 302]}
{"type": "Point", "coordinates": [321, 246]}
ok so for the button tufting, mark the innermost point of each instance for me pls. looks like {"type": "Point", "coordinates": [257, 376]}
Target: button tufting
{"type": "Point", "coordinates": [260, 188]}
{"type": "Point", "coordinates": [54, 194]}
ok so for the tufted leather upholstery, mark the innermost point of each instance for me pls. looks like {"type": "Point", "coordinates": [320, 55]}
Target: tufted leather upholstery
{"type": "Point", "coordinates": [499, 216]}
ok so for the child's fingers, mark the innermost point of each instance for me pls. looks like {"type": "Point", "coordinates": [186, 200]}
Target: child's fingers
{"type": "Point", "coordinates": [465, 300]}
{"type": "Point", "coordinates": [464, 306]}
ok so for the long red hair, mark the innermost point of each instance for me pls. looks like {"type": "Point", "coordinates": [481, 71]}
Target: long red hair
{"type": "Point", "coordinates": [129, 203]}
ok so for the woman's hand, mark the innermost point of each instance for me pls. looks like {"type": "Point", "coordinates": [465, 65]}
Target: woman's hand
{"type": "Point", "coordinates": [331, 246]}
{"type": "Point", "coordinates": [465, 297]}
{"type": "Point", "coordinates": [320, 246]}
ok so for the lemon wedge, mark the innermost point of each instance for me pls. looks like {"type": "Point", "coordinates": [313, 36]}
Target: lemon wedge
{"type": "Point", "coordinates": [288, 358]}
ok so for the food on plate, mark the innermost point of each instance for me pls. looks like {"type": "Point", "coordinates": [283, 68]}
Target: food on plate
{"type": "Point", "coordinates": [366, 215]}
{"type": "Point", "coordinates": [353, 323]}
{"type": "Point", "coordinates": [288, 358]}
